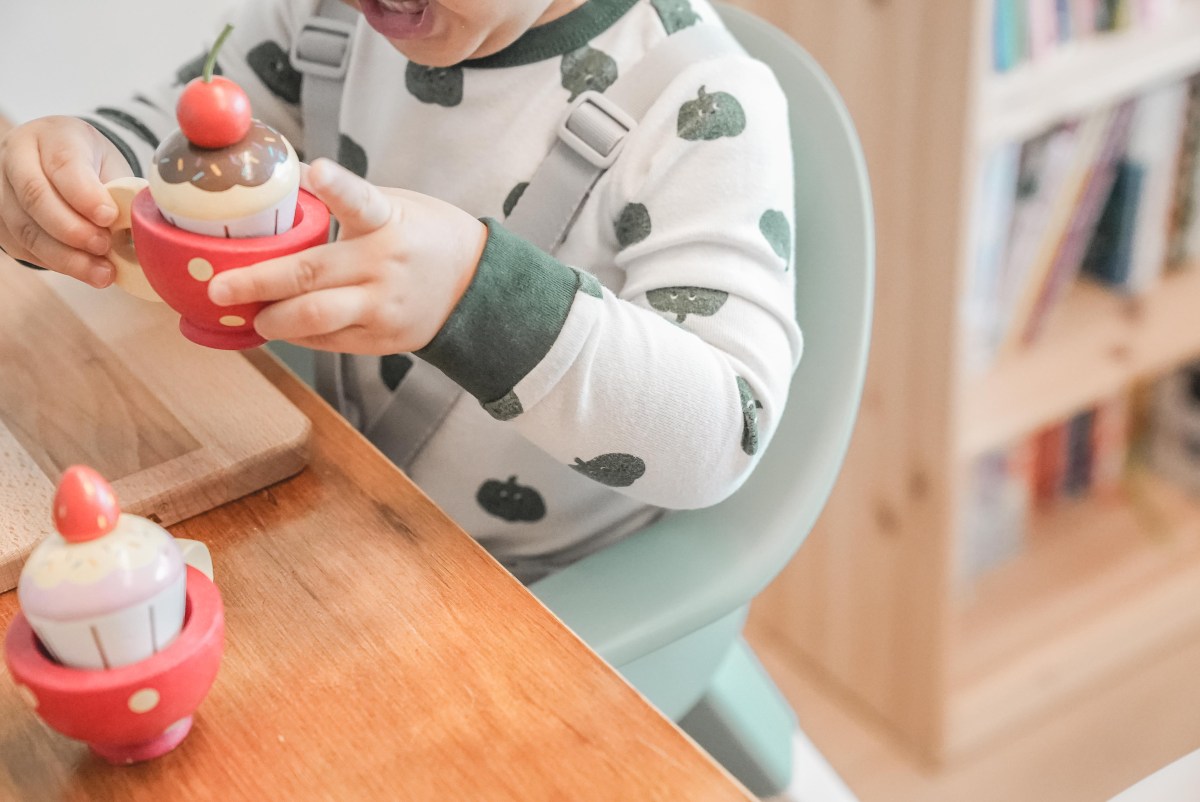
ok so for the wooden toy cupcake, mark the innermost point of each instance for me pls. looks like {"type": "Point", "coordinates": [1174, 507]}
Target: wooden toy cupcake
{"type": "Point", "coordinates": [223, 173]}
{"type": "Point", "coordinates": [107, 589]}
{"type": "Point", "coordinates": [121, 629]}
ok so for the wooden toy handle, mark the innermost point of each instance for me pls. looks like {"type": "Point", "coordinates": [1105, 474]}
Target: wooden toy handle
{"type": "Point", "coordinates": [196, 554]}
{"type": "Point", "coordinates": [130, 276]}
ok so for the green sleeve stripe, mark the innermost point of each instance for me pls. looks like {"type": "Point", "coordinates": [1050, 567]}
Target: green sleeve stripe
{"type": "Point", "coordinates": [129, 122]}
{"type": "Point", "coordinates": [507, 320]}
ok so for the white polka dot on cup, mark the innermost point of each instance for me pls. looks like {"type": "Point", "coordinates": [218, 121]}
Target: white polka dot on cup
{"type": "Point", "coordinates": [233, 320]}
{"type": "Point", "coordinates": [144, 701]}
{"type": "Point", "coordinates": [200, 269]}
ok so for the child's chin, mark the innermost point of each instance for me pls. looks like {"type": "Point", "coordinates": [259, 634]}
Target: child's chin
{"type": "Point", "coordinates": [430, 54]}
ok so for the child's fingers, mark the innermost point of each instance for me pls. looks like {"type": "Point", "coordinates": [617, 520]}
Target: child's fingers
{"type": "Point", "coordinates": [41, 247]}
{"type": "Point", "coordinates": [36, 194]}
{"type": "Point", "coordinates": [78, 181]}
{"type": "Point", "coordinates": [313, 314]}
{"type": "Point", "coordinates": [341, 342]}
{"type": "Point", "coordinates": [350, 340]}
{"type": "Point", "coordinates": [288, 276]}
{"type": "Point", "coordinates": [358, 205]}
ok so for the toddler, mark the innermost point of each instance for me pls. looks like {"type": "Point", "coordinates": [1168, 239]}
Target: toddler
{"type": "Point", "coordinates": [551, 403]}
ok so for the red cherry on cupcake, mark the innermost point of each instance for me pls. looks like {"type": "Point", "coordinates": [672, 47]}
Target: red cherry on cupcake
{"type": "Point", "coordinates": [85, 506]}
{"type": "Point", "coordinates": [213, 112]}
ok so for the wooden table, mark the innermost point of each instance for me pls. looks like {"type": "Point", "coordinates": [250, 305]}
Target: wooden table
{"type": "Point", "coordinates": [375, 652]}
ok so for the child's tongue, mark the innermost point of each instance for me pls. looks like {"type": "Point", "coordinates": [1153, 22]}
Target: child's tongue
{"type": "Point", "coordinates": [397, 19]}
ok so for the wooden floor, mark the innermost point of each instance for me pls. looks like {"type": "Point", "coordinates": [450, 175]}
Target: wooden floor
{"type": "Point", "coordinates": [1118, 733]}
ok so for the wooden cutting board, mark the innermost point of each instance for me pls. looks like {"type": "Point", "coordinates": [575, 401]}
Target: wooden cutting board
{"type": "Point", "coordinates": [100, 378]}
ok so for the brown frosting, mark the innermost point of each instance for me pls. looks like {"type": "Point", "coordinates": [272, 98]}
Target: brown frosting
{"type": "Point", "coordinates": [248, 163]}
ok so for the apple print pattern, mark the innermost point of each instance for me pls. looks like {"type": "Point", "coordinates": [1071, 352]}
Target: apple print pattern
{"type": "Point", "coordinates": [587, 68]}
{"type": "Point", "coordinates": [393, 368]}
{"type": "Point", "coordinates": [613, 470]}
{"type": "Point", "coordinates": [711, 116]}
{"type": "Point", "coordinates": [750, 407]}
{"type": "Point", "coordinates": [774, 226]}
{"type": "Point", "coordinates": [352, 156]}
{"type": "Point", "coordinates": [440, 86]}
{"type": "Point", "coordinates": [684, 301]}
{"type": "Point", "coordinates": [506, 407]}
{"type": "Point", "coordinates": [510, 501]}
{"type": "Point", "coordinates": [270, 63]}
{"type": "Point", "coordinates": [633, 225]}
{"type": "Point", "coordinates": [543, 352]}
{"type": "Point", "coordinates": [675, 14]}
{"type": "Point", "coordinates": [514, 197]}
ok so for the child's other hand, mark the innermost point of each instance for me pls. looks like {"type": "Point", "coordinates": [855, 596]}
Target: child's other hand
{"type": "Point", "coordinates": [54, 210]}
{"type": "Point", "coordinates": [400, 265]}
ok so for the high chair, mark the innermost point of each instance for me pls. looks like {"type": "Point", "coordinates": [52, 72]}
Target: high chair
{"type": "Point", "coordinates": [666, 606]}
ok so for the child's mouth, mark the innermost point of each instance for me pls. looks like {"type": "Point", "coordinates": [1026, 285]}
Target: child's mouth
{"type": "Point", "coordinates": [399, 19]}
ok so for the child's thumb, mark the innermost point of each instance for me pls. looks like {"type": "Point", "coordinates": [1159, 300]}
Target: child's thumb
{"type": "Point", "coordinates": [358, 205]}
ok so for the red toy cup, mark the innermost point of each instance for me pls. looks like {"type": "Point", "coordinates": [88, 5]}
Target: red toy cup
{"type": "Point", "coordinates": [177, 264]}
{"type": "Point", "coordinates": [136, 712]}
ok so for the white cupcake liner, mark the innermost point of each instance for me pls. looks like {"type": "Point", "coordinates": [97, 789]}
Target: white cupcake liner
{"type": "Point", "coordinates": [118, 638]}
{"type": "Point", "coordinates": [274, 220]}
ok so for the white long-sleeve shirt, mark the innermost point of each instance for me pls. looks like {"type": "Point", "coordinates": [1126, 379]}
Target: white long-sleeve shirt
{"type": "Point", "coordinates": [641, 367]}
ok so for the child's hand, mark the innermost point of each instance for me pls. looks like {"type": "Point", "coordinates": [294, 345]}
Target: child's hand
{"type": "Point", "coordinates": [54, 210]}
{"type": "Point", "coordinates": [401, 263]}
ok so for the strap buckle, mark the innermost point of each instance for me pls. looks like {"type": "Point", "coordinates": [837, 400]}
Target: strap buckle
{"type": "Point", "coordinates": [595, 127]}
{"type": "Point", "coordinates": [322, 48]}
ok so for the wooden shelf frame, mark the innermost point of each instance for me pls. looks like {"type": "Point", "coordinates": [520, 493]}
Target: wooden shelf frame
{"type": "Point", "coordinates": [1098, 343]}
{"type": "Point", "coordinates": [871, 601]}
{"type": "Point", "coordinates": [1086, 75]}
{"type": "Point", "coordinates": [1102, 583]}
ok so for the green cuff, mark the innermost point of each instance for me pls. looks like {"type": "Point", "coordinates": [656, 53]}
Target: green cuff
{"type": "Point", "coordinates": [507, 320]}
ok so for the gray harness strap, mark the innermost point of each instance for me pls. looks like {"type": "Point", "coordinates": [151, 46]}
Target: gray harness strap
{"type": "Point", "coordinates": [589, 140]}
{"type": "Point", "coordinates": [594, 129]}
{"type": "Point", "coordinates": [321, 52]}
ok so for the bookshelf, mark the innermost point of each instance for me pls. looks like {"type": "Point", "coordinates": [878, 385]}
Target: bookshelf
{"type": "Point", "coordinates": [1095, 344]}
{"type": "Point", "coordinates": [874, 602]}
{"type": "Point", "coordinates": [1085, 75]}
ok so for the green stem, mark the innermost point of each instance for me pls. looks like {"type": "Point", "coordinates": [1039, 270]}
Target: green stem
{"type": "Point", "coordinates": [211, 63]}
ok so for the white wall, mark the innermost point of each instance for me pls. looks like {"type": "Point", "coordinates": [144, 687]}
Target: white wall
{"type": "Point", "coordinates": [65, 56]}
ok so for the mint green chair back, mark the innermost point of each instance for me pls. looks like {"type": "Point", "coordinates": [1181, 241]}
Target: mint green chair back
{"type": "Point", "coordinates": [666, 605]}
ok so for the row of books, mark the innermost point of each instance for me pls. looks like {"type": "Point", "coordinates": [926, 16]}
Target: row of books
{"type": "Point", "coordinates": [1080, 457]}
{"type": "Point", "coordinates": [1114, 196]}
{"type": "Point", "coordinates": [1026, 30]}
{"type": "Point", "coordinates": [1154, 427]}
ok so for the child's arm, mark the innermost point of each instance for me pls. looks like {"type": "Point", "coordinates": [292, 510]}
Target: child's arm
{"type": "Point", "coordinates": [668, 391]}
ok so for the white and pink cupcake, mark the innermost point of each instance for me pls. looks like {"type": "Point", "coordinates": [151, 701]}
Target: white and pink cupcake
{"type": "Point", "coordinates": [107, 589]}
